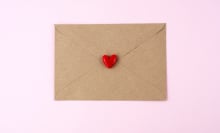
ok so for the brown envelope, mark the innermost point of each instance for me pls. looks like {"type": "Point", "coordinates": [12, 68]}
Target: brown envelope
{"type": "Point", "coordinates": [139, 74]}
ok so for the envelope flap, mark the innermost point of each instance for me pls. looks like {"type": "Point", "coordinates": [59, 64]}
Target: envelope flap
{"type": "Point", "coordinates": [149, 60]}
{"type": "Point", "coordinates": [119, 84]}
{"type": "Point", "coordinates": [71, 62]}
{"type": "Point", "coordinates": [102, 39]}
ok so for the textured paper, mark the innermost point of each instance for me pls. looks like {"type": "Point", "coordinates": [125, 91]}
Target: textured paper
{"type": "Point", "coordinates": [139, 74]}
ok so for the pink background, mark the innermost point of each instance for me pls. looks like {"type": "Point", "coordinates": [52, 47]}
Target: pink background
{"type": "Point", "coordinates": [27, 68]}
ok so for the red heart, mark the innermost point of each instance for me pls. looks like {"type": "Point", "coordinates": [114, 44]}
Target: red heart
{"type": "Point", "coordinates": [109, 61]}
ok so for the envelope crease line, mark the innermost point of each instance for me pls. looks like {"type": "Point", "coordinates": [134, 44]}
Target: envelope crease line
{"type": "Point", "coordinates": [143, 42]}
{"type": "Point", "coordinates": [141, 78]}
{"type": "Point", "coordinates": [74, 80]}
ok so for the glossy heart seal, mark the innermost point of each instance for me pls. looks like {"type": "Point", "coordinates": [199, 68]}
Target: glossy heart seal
{"type": "Point", "coordinates": [109, 61]}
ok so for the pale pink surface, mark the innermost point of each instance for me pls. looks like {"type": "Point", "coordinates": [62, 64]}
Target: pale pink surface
{"type": "Point", "coordinates": [27, 68]}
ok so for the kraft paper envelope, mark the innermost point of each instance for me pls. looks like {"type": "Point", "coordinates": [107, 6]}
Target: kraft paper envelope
{"type": "Point", "coordinates": [139, 74]}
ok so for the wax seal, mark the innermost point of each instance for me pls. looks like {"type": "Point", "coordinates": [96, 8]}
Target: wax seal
{"type": "Point", "coordinates": [109, 61]}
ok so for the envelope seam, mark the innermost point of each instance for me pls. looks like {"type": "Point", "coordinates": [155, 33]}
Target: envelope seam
{"type": "Point", "coordinates": [142, 43]}
{"type": "Point", "coordinates": [76, 79]}
{"type": "Point", "coordinates": [85, 47]}
{"type": "Point", "coordinates": [57, 30]}
{"type": "Point", "coordinates": [142, 79]}
{"type": "Point", "coordinates": [72, 42]}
